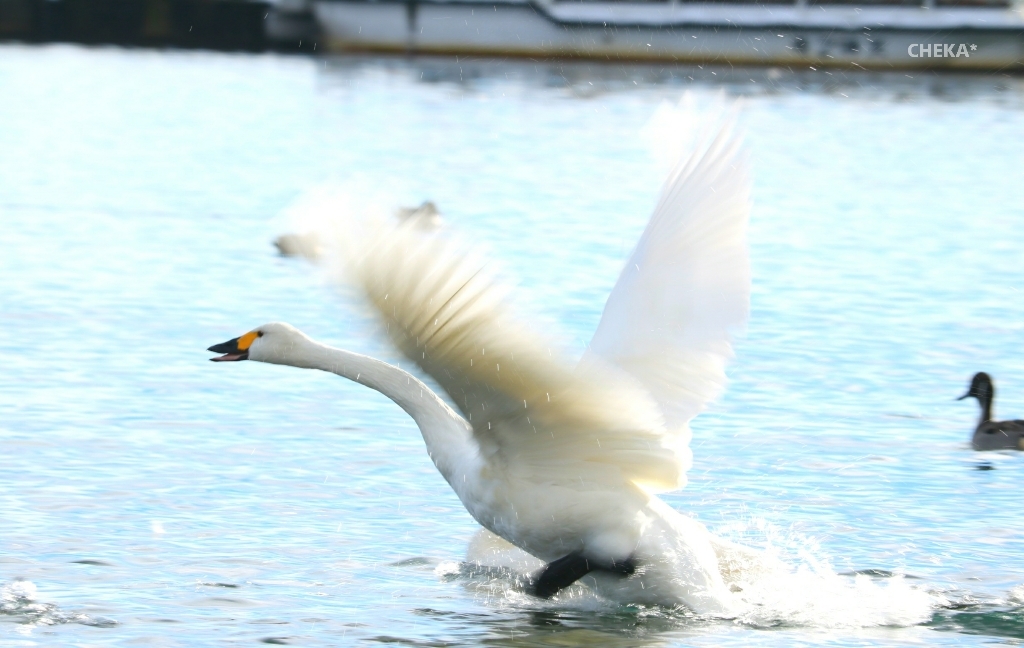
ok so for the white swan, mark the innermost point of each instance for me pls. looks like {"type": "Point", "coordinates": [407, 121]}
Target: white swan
{"type": "Point", "coordinates": [564, 460]}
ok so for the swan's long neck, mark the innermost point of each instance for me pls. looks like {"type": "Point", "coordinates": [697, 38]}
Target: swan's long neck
{"type": "Point", "coordinates": [447, 435]}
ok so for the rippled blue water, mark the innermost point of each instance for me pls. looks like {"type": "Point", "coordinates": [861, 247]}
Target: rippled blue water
{"type": "Point", "coordinates": [148, 497]}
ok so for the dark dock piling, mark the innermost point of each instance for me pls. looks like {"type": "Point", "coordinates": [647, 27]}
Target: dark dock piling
{"type": "Point", "coordinates": [207, 24]}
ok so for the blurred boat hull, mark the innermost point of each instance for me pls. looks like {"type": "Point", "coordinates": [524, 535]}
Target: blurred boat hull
{"type": "Point", "coordinates": [871, 37]}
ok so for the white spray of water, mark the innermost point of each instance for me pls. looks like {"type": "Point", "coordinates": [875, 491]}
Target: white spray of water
{"type": "Point", "coordinates": [802, 590]}
{"type": "Point", "coordinates": [1016, 595]}
{"type": "Point", "coordinates": [813, 595]}
{"type": "Point", "coordinates": [18, 600]}
{"type": "Point", "coordinates": [17, 591]}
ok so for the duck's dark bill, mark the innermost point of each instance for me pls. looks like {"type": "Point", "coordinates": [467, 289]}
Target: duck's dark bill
{"type": "Point", "coordinates": [230, 350]}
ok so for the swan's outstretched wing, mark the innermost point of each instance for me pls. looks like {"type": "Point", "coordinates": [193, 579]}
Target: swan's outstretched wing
{"type": "Point", "coordinates": [531, 410]}
{"type": "Point", "coordinates": [687, 284]}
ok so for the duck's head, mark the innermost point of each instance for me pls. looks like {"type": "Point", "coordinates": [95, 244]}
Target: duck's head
{"type": "Point", "coordinates": [274, 343]}
{"type": "Point", "coordinates": [981, 387]}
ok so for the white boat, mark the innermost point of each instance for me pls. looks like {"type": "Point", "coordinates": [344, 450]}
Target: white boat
{"type": "Point", "coordinates": [988, 35]}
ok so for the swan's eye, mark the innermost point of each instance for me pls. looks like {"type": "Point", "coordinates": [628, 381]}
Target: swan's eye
{"type": "Point", "coordinates": [259, 333]}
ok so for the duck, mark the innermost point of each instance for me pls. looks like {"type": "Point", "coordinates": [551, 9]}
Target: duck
{"type": "Point", "coordinates": [989, 434]}
{"type": "Point", "coordinates": [565, 459]}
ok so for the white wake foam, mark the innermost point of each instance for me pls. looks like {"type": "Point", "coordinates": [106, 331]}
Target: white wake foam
{"type": "Point", "coordinates": [18, 603]}
{"type": "Point", "coordinates": [787, 587]}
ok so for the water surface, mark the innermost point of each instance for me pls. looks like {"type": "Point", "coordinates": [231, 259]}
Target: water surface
{"type": "Point", "coordinates": [149, 497]}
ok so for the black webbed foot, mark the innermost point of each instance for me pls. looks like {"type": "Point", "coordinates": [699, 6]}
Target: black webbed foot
{"type": "Point", "coordinates": [565, 571]}
{"type": "Point", "coordinates": [624, 567]}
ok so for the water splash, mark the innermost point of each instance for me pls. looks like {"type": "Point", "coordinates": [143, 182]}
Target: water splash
{"type": "Point", "coordinates": [814, 595]}
{"type": "Point", "coordinates": [786, 588]}
{"type": "Point", "coordinates": [18, 605]}
{"type": "Point", "coordinates": [795, 584]}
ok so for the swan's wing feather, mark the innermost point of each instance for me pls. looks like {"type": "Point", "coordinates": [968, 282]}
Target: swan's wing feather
{"type": "Point", "coordinates": [686, 286]}
{"type": "Point", "coordinates": [530, 409]}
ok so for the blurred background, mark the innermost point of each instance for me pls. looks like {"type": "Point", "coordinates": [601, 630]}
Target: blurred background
{"type": "Point", "coordinates": [881, 34]}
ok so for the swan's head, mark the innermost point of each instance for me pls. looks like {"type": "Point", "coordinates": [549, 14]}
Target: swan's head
{"type": "Point", "coordinates": [981, 387]}
{"type": "Point", "coordinates": [274, 342]}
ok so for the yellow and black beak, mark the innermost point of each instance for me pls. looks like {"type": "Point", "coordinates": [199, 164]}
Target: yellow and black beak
{"type": "Point", "coordinates": [236, 349]}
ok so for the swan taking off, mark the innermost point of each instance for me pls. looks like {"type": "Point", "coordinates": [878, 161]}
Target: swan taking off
{"type": "Point", "coordinates": [565, 459]}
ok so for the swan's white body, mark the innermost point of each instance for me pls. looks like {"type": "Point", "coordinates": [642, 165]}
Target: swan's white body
{"type": "Point", "coordinates": [557, 457]}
